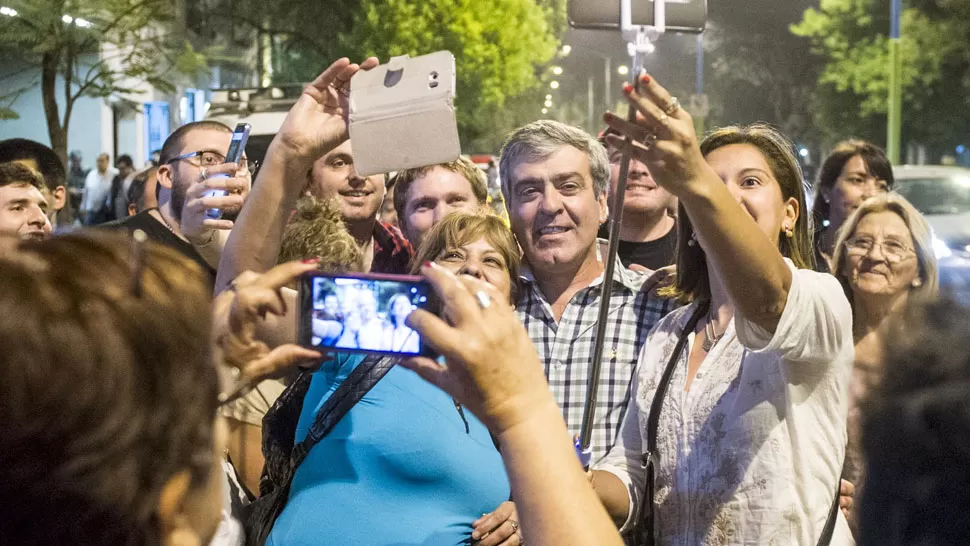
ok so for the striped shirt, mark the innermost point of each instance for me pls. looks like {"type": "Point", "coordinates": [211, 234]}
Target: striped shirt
{"type": "Point", "coordinates": [566, 347]}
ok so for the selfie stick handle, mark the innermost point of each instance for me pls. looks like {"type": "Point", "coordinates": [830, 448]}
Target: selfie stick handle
{"type": "Point", "coordinates": [639, 48]}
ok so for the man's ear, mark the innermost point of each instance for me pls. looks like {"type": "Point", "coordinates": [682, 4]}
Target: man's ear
{"type": "Point", "coordinates": [59, 197]}
{"type": "Point", "coordinates": [604, 207]}
{"type": "Point", "coordinates": [164, 176]}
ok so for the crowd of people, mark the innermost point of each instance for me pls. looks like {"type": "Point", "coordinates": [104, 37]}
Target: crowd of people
{"type": "Point", "coordinates": [772, 374]}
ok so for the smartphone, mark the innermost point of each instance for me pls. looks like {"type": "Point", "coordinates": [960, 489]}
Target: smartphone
{"type": "Point", "coordinates": [236, 148]}
{"type": "Point", "coordinates": [361, 313]}
{"type": "Point", "coordinates": [402, 114]}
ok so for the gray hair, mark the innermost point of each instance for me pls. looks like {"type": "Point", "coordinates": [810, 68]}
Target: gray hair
{"type": "Point", "coordinates": [540, 139]}
{"type": "Point", "coordinates": [919, 229]}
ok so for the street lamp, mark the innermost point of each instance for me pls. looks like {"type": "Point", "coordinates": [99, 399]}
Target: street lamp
{"type": "Point", "coordinates": [9, 12]}
{"type": "Point", "coordinates": [554, 84]}
{"type": "Point", "coordinates": [557, 70]}
{"type": "Point", "coordinates": [549, 96]}
{"type": "Point", "coordinates": [548, 103]}
{"type": "Point", "coordinates": [567, 49]}
{"type": "Point", "coordinates": [545, 110]}
{"type": "Point", "coordinates": [622, 70]}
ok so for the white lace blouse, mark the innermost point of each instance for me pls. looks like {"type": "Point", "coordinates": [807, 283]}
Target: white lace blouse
{"type": "Point", "coordinates": [752, 453]}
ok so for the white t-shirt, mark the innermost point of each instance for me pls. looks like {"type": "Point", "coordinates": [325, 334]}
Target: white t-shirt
{"type": "Point", "coordinates": [753, 452]}
{"type": "Point", "coordinates": [97, 186]}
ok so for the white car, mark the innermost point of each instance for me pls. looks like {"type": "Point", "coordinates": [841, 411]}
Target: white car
{"type": "Point", "coordinates": [942, 195]}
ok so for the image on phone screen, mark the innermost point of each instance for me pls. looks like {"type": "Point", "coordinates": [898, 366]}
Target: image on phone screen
{"type": "Point", "coordinates": [361, 313]}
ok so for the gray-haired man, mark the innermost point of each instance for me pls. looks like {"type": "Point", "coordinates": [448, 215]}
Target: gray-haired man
{"type": "Point", "coordinates": [554, 179]}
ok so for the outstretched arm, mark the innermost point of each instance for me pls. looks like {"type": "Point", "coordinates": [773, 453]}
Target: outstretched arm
{"type": "Point", "coordinates": [316, 124]}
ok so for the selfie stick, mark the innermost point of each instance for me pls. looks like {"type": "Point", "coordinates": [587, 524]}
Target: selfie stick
{"type": "Point", "coordinates": [638, 38]}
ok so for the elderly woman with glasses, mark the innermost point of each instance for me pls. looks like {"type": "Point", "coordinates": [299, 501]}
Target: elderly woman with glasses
{"type": "Point", "coordinates": [884, 259]}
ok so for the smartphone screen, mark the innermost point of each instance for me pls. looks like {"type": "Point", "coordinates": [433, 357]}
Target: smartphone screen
{"type": "Point", "coordinates": [236, 147]}
{"type": "Point", "coordinates": [362, 313]}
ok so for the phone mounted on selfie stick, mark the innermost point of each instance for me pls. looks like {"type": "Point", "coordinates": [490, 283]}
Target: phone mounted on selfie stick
{"type": "Point", "coordinates": [639, 38]}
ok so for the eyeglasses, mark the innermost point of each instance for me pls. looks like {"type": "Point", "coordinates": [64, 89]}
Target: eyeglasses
{"type": "Point", "coordinates": [211, 159]}
{"type": "Point", "coordinates": [894, 251]}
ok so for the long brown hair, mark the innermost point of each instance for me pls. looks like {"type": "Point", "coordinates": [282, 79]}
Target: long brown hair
{"type": "Point", "coordinates": [692, 280]}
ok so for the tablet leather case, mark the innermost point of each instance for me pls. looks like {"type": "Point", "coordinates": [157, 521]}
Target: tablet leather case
{"type": "Point", "coordinates": [402, 114]}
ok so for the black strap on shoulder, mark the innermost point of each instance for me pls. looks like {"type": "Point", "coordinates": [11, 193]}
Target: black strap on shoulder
{"type": "Point", "coordinates": [653, 423]}
{"type": "Point", "coordinates": [357, 384]}
{"type": "Point", "coordinates": [644, 534]}
{"type": "Point", "coordinates": [653, 420]}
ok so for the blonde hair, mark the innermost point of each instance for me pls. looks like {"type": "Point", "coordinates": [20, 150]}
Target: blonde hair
{"type": "Point", "coordinates": [317, 231]}
{"type": "Point", "coordinates": [918, 229]}
{"type": "Point", "coordinates": [460, 228]}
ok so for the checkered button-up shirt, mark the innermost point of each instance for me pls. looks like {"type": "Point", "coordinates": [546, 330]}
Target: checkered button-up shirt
{"type": "Point", "coordinates": [566, 347]}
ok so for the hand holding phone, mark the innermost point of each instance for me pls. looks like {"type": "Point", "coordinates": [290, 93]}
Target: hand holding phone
{"type": "Point", "coordinates": [361, 313]}
{"type": "Point", "coordinates": [240, 136]}
{"type": "Point", "coordinates": [402, 114]}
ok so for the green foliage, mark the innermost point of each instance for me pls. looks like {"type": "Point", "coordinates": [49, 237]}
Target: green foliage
{"type": "Point", "coordinates": [98, 48]}
{"type": "Point", "coordinates": [498, 47]}
{"type": "Point", "coordinates": [851, 36]}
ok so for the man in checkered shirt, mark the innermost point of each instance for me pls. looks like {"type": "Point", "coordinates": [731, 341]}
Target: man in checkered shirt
{"type": "Point", "coordinates": [555, 179]}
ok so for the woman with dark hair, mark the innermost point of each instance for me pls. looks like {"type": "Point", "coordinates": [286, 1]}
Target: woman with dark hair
{"type": "Point", "coordinates": [853, 172]}
{"type": "Point", "coordinates": [738, 409]}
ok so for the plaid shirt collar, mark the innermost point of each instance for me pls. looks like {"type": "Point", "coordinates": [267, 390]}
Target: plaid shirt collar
{"type": "Point", "coordinates": [631, 280]}
{"type": "Point", "coordinates": [392, 252]}
{"type": "Point", "coordinates": [566, 347]}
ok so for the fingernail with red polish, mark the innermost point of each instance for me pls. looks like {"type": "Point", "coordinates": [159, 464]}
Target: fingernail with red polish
{"type": "Point", "coordinates": [627, 88]}
{"type": "Point", "coordinates": [427, 264]}
{"type": "Point", "coordinates": [645, 79]}
{"type": "Point", "coordinates": [311, 260]}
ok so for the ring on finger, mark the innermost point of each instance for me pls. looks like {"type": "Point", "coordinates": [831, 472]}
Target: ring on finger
{"type": "Point", "coordinates": [485, 301]}
{"type": "Point", "coordinates": [672, 108]}
{"type": "Point", "coordinates": [205, 173]}
{"type": "Point", "coordinates": [515, 525]}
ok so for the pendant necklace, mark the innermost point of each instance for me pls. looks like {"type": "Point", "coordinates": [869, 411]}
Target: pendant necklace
{"type": "Point", "coordinates": [710, 334]}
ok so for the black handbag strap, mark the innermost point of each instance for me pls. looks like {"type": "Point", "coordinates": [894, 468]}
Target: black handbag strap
{"type": "Point", "coordinates": [644, 536]}
{"type": "Point", "coordinates": [357, 384]}
{"type": "Point", "coordinates": [653, 423]}
{"type": "Point", "coordinates": [829, 528]}
{"type": "Point", "coordinates": [653, 420]}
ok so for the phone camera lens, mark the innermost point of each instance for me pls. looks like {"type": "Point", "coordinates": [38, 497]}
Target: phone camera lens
{"type": "Point", "coordinates": [434, 75]}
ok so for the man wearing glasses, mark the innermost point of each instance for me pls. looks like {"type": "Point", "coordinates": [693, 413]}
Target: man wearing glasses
{"type": "Point", "coordinates": [191, 158]}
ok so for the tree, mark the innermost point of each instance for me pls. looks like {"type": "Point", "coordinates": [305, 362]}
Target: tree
{"type": "Point", "coordinates": [500, 47]}
{"type": "Point", "coordinates": [98, 48]}
{"type": "Point", "coordinates": [851, 37]}
{"type": "Point", "coordinates": [759, 71]}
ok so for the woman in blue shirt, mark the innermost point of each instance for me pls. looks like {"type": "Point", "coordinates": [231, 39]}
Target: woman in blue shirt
{"type": "Point", "coordinates": [407, 465]}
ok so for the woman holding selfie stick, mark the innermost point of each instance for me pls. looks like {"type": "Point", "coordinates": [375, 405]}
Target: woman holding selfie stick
{"type": "Point", "coordinates": [742, 392]}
